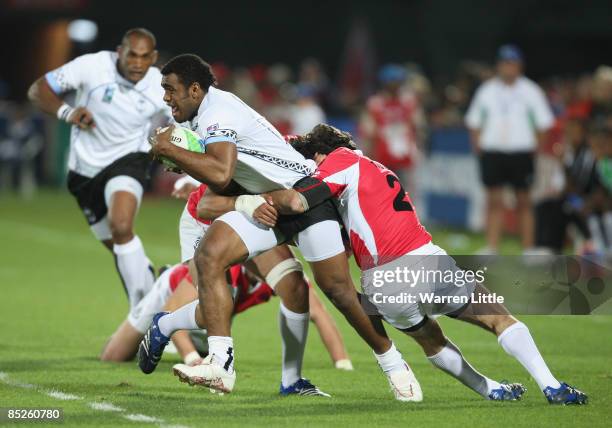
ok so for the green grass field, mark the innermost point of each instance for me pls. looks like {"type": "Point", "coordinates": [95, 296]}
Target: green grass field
{"type": "Point", "coordinates": [60, 299]}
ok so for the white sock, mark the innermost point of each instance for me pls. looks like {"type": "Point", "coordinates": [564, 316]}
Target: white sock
{"type": "Point", "coordinates": [607, 226]}
{"type": "Point", "coordinates": [517, 341]}
{"type": "Point", "coordinates": [595, 227]}
{"type": "Point", "coordinates": [451, 361]}
{"type": "Point", "coordinates": [294, 332]}
{"type": "Point", "coordinates": [391, 361]}
{"type": "Point", "coordinates": [183, 318]}
{"type": "Point", "coordinates": [133, 266]}
{"type": "Point", "coordinates": [222, 350]}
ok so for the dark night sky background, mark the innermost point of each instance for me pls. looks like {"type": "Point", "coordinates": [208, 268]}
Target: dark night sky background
{"type": "Point", "coordinates": [558, 37]}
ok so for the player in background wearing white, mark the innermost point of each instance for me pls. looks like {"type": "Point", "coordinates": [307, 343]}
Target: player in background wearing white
{"type": "Point", "coordinates": [383, 227]}
{"type": "Point", "coordinates": [243, 148]}
{"type": "Point", "coordinates": [117, 104]}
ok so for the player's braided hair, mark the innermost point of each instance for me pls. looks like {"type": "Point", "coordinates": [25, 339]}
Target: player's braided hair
{"type": "Point", "coordinates": [323, 139]}
{"type": "Point", "coordinates": [190, 68]}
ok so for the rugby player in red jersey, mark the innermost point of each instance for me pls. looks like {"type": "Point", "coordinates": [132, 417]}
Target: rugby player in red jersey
{"type": "Point", "coordinates": [384, 230]}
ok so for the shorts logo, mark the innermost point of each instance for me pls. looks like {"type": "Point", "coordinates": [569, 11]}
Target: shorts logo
{"type": "Point", "coordinates": [212, 127]}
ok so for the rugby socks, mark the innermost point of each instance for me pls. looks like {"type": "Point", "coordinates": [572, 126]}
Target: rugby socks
{"type": "Point", "coordinates": [517, 341]}
{"type": "Point", "coordinates": [294, 332]}
{"type": "Point", "coordinates": [134, 268]}
{"type": "Point", "coordinates": [451, 361]}
{"type": "Point", "coordinates": [222, 350]}
{"type": "Point", "coordinates": [607, 226]}
{"type": "Point", "coordinates": [391, 361]}
{"type": "Point", "coordinates": [183, 318]}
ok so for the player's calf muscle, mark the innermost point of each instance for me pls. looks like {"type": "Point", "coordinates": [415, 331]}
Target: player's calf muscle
{"type": "Point", "coordinates": [293, 291]}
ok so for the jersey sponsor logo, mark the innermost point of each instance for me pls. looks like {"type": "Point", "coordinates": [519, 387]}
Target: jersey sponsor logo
{"type": "Point", "coordinates": [283, 163]}
{"type": "Point", "coordinates": [108, 94]}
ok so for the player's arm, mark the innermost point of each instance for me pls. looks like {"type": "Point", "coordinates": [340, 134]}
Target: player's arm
{"type": "Point", "coordinates": [215, 167]}
{"type": "Point", "coordinates": [47, 100]}
{"type": "Point", "coordinates": [213, 205]}
{"type": "Point", "coordinates": [306, 194]}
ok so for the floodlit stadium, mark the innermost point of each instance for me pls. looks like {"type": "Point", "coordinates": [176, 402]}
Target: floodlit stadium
{"type": "Point", "coordinates": [284, 214]}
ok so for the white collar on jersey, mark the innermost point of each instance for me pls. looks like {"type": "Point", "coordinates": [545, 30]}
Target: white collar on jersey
{"type": "Point", "coordinates": [193, 124]}
{"type": "Point", "coordinates": [141, 85]}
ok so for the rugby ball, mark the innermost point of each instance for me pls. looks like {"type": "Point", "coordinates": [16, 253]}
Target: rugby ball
{"type": "Point", "coordinates": [186, 139]}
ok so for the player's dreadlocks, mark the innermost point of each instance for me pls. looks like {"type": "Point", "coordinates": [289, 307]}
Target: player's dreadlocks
{"type": "Point", "coordinates": [323, 139]}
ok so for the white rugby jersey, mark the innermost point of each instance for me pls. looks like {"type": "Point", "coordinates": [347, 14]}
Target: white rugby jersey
{"type": "Point", "coordinates": [122, 111]}
{"type": "Point", "coordinates": [265, 161]}
{"type": "Point", "coordinates": [509, 115]}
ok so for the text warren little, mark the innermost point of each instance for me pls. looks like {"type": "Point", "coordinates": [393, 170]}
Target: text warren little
{"type": "Point", "coordinates": [433, 298]}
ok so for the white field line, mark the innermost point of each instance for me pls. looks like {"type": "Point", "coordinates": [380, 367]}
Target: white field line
{"type": "Point", "coordinates": [102, 407]}
{"type": "Point", "coordinates": [61, 395]}
{"type": "Point", "coordinates": [105, 407]}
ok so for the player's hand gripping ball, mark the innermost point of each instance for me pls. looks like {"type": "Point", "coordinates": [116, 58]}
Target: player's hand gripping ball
{"type": "Point", "coordinates": [182, 137]}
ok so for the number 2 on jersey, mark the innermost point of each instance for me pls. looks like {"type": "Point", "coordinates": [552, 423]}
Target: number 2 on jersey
{"type": "Point", "coordinates": [399, 204]}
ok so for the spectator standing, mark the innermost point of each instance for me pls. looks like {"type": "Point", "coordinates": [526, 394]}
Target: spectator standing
{"type": "Point", "coordinates": [305, 113]}
{"type": "Point", "coordinates": [508, 118]}
{"type": "Point", "coordinates": [391, 125]}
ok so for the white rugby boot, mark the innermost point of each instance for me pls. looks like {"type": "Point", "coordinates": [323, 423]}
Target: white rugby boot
{"type": "Point", "coordinates": [208, 374]}
{"type": "Point", "coordinates": [405, 385]}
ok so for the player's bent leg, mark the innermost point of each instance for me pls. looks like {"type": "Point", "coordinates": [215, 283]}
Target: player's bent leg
{"type": "Point", "coordinates": [123, 344]}
{"type": "Point", "coordinates": [330, 335]}
{"type": "Point", "coordinates": [122, 195]}
{"type": "Point", "coordinates": [446, 356]}
{"type": "Point", "coordinates": [284, 274]}
{"type": "Point", "coordinates": [333, 278]}
{"type": "Point", "coordinates": [159, 326]}
{"type": "Point", "coordinates": [515, 338]}
{"type": "Point", "coordinates": [231, 239]}
{"type": "Point", "coordinates": [184, 293]}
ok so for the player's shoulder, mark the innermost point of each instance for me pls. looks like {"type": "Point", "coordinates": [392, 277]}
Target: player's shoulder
{"type": "Point", "coordinates": [529, 86]}
{"type": "Point", "coordinates": [488, 85]}
{"type": "Point", "coordinates": [153, 80]}
{"type": "Point", "coordinates": [220, 109]}
{"type": "Point", "coordinates": [342, 157]}
{"type": "Point", "coordinates": [154, 74]}
{"type": "Point", "coordinates": [101, 60]}
{"type": "Point", "coordinates": [220, 96]}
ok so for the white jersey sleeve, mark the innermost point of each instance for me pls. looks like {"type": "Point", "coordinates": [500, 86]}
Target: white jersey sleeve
{"type": "Point", "coordinates": [72, 75]}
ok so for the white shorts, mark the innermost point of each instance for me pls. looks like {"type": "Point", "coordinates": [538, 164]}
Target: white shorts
{"type": "Point", "coordinates": [120, 183]}
{"type": "Point", "coordinates": [141, 315]}
{"type": "Point", "coordinates": [391, 295]}
{"type": "Point", "coordinates": [191, 232]}
{"type": "Point", "coordinates": [317, 242]}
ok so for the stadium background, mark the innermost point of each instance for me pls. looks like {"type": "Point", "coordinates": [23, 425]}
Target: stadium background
{"type": "Point", "coordinates": [447, 46]}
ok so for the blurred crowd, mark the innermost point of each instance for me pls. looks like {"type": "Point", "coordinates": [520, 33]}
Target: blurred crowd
{"type": "Point", "coordinates": [391, 117]}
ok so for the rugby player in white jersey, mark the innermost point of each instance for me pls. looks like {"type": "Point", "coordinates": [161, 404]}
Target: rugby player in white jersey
{"type": "Point", "coordinates": [244, 149]}
{"type": "Point", "coordinates": [118, 99]}
{"type": "Point", "coordinates": [386, 235]}
{"type": "Point", "coordinates": [277, 272]}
